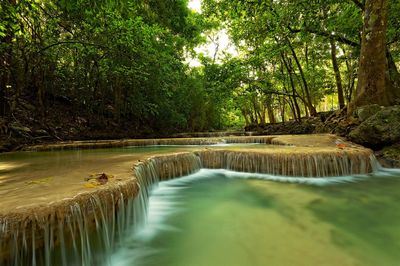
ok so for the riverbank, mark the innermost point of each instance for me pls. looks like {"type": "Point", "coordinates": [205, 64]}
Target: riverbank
{"type": "Point", "coordinates": [372, 126]}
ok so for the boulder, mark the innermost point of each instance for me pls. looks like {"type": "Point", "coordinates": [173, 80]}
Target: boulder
{"type": "Point", "coordinates": [389, 156]}
{"type": "Point", "coordinates": [365, 112]}
{"type": "Point", "coordinates": [380, 129]}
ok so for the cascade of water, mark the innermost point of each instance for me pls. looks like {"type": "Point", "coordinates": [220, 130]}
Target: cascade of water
{"type": "Point", "coordinates": [250, 139]}
{"type": "Point", "coordinates": [152, 142]}
{"type": "Point", "coordinates": [322, 164]}
{"type": "Point", "coordinates": [68, 232]}
{"type": "Point", "coordinates": [73, 231]}
{"type": "Point", "coordinates": [150, 172]}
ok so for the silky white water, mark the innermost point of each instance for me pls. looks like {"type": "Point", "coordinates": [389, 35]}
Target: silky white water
{"type": "Point", "coordinates": [125, 228]}
{"type": "Point", "coordinates": [220, 217]}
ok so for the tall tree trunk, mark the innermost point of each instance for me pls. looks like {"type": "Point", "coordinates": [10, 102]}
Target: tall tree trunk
{"type": "Point", "coordinates": [296, 105]}
{"type": "Point", "coordinates": [257, 113]}
{"type": "Point", "coordinates": [337, 74]}
{"type": "Point", "coordinates": [270, 111]}
{"type": "Point", "coordinates": [350, 77]}
{"type": "Point", "coordinates": [286, 90]}
{"type": "Point", "coordinates": [310, 106]}
{"type": "Point", "coordinates": [282, 108]}
{"type": "Point", "coordinates": [246, 118]}
{"type": "Point", "coordinates": [373, 75]}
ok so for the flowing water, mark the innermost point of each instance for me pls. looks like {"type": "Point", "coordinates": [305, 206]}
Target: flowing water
{"type": "Point", "coordinates": [212, 217]}
{"type": "Point", "coordinates": [219, 217]}
{"type": "Point", "coordinates": [27, 177]}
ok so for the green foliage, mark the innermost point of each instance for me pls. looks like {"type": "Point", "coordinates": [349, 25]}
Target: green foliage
{"type": "Point", "coordinates": [121, 60]}
{"type": "Point", "coordinates": [284, 48]}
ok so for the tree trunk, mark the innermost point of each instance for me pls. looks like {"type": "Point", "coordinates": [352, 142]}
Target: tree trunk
{"type": "Point", "coordinates": [296, 105]}
{"type": "Point", "coordinates": [270, 111]}
{"type": "Point", "coordinates": [282, 109]}
{"type": "Point", "coordinates": [351, 76]}
{"type": "Point", "coordinates": [373, 76]}
{"type": "Point", "coordinates": [246, 119]}
{"type": "Point", "coordinates": [310, 106]}
{"type": "Point", "coordinates": [257, 113]}
{"type": "Point", "coordinates": [337, 74]}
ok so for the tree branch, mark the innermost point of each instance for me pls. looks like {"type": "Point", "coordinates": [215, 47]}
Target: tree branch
{"type": "Point", "coordinates": [326, 34]}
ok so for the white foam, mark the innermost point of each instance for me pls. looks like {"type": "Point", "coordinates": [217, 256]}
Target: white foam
{"type": "Point", "coordinates": [165, 200]}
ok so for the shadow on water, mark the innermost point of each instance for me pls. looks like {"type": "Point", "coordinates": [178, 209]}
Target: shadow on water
{"type": "Point", "coordinates": [239, 193]}
{"type": "Point", "coordinates": [206, 211]}
{"type": "Point", "coordinates": [366, 213]}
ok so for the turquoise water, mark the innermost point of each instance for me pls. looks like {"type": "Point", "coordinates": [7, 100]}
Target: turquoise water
{"type": "Point", "coordinates": [217, 217]}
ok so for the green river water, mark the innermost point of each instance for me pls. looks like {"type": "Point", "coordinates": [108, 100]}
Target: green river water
{"type": "Point", "coordinates": [218, 217]}
{"type": "Point", "coordinates": [222, 218]}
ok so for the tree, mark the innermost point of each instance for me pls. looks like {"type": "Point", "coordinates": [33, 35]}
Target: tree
{"type": "Point", "coordinates": [374, 83]}
{"type": "Point", "coordinates": [337, 74]}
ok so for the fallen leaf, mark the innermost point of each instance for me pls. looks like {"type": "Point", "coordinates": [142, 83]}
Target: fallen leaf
{"type": "Point", "coordinates": [101, 178]}
{"type": "Point", "coordinates": [341, 146]}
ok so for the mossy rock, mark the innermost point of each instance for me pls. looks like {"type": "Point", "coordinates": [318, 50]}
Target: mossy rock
{"type": "Point", "coordinates": [365, 112]}
{"type": "Point", "coordinates": [379, 130]}
{"type": "Point", "coordinates": [390, 156]}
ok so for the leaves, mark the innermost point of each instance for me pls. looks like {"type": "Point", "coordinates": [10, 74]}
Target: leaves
{"type": "Point", "coordinates": [95, 180]}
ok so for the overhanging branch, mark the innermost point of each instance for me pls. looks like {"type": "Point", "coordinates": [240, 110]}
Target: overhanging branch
{"type": "Point", "coordinates": [338, 38]}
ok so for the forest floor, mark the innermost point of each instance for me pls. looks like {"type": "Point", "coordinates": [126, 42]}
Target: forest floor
{"type": "Point", "coordinates": [63, 122]}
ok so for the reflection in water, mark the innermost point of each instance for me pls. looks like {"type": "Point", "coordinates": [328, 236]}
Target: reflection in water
{"type": "Point", "coordinates": [218, 217]}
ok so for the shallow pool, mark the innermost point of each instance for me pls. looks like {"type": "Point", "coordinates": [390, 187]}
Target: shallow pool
{"type": "Point", "coordinates": [217, 217]}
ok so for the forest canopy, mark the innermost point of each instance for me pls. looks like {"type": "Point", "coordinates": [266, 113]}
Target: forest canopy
{"type": "Point", "coordinates": [124, 64]}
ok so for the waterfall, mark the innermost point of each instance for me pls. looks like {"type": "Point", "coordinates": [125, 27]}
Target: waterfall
{"type": "Point", "coordinates": [250, 139]}
{"type": "Point", "coordinates": [69, 232]}
{"type": "Point", "coordinates": [83, 230]}
{"type": "Point", "coordinates": [150, 172]}
{"type": "Point", "coordinates": [315, 164]}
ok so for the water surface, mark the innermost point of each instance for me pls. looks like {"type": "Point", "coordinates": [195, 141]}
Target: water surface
{"type": "Point", "coordinates": [217, 217]}
{"type": "Point", "coordinates": [30, 178]}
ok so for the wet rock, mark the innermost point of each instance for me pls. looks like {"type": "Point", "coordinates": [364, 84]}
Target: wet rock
{"type": "Point", "coordinates": [338, 123]}
{"type": "Point", "coordinates": [380, 129]}
{"type": "Point", "coordinates": [307, 126]}
{"type": "Point", "coordinates": [389, 156]}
